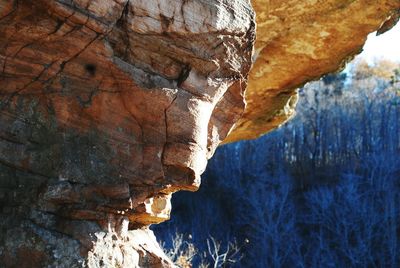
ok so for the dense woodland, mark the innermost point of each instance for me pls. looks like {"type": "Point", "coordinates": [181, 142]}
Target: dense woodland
{"type": "Point", "coordinates": [321, 191]}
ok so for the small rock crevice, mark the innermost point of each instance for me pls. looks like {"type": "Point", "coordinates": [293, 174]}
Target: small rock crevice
{"type": "Point", "coordinates": [107, 107]}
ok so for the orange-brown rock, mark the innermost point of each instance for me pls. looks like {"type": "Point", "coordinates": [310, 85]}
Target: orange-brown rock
{"type": "Point", "coordinates": [107, 107]}
{"type": "Point", "coordinates": [299, 41]}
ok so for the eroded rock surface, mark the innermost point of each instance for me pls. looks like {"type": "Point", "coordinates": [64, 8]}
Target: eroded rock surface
{"type": "Point", "coordinates": [107, 107]}
{"type": "Point", "coordinates": [299, 41]}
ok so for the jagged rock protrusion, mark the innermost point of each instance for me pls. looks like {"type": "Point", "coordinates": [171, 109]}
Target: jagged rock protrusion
{"type": "Point", "coordinates": [297, 42]}
{"type": "Point", "coordinates": [107, 107]}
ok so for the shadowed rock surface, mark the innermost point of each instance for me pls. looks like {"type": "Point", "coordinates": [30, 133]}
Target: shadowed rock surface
{"type": "Point", "coordinates": [108, 107]}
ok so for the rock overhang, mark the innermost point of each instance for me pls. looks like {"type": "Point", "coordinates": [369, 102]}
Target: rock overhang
{"type": "Point", "coordinates": [297, 42]}
{"type": "Point", "coordinates": [108, 107]}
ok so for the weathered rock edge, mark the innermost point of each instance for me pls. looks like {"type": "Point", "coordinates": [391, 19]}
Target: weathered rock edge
{"type": "Point", "coordinates": [107, 107]}
{"type": "Point", "coordinates": [297, 42]}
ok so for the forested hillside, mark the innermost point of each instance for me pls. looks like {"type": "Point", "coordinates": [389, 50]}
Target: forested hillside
{"type": "Point", "coordinates": [321, 191]}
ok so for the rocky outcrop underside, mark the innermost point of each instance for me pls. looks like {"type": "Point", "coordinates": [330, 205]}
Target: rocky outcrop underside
{"type": "Point", "coordinates": [107, 107]}
{"type": "Point", "coordinates": [299, 41]}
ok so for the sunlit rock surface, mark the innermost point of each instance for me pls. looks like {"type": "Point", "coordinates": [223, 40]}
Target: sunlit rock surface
{"type": "Point", "coordinates": [298, 41]}
{"type": "Point", "coordinates": [108, 107]}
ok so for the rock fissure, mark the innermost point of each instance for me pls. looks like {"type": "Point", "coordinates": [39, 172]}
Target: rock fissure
{"type": "Point", "coordinates": [108, 107]}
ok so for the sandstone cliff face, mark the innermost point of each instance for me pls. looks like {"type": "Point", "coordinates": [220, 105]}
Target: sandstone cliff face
{"type": "Point", "coordinates": [107, 107]}
{"type": "Point", "coordinates": [299, 41]}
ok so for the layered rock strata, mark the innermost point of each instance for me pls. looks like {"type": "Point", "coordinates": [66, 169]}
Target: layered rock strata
{"type": "Point", "coordinates": [107, 107]}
